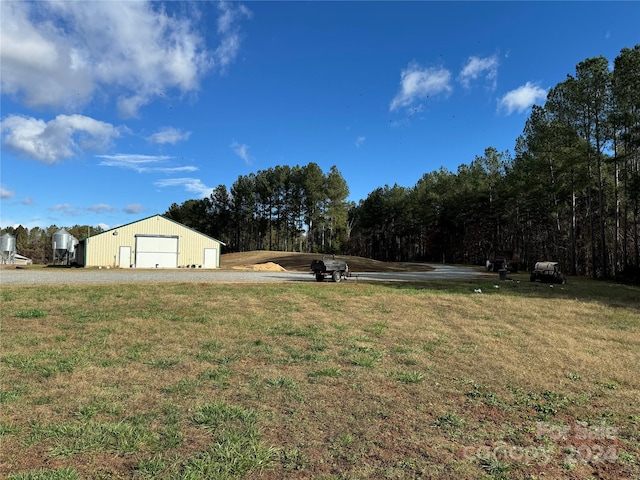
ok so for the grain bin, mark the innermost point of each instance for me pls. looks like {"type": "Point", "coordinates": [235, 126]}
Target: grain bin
{"type": "Point", "coordinates": [7, 249]}
{"type": "Point", "coordinates": [62, 243]}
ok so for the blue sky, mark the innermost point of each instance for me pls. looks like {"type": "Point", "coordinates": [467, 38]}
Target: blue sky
{"type": "Point", "coordinates": [112, 111]}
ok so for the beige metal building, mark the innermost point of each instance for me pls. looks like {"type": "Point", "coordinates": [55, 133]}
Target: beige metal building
{"type": "Point", "coordinates": [153, 242]}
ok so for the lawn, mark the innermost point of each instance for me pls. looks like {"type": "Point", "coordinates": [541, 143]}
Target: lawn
{"type": "Point", "coordinates": [321, 380]}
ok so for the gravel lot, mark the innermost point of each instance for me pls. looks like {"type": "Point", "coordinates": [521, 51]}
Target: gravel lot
{"type": "Point", "coordinates": [50, 276]}
{"type": "Point", "coordinates": [42, 276]}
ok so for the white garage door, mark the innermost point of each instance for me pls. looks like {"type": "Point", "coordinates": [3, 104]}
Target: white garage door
{"type": "Point", "coordinates": [156, 252]}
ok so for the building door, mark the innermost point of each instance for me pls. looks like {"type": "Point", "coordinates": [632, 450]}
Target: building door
{"type": "Point", "coordinates": [154, 251]}
{"type": "Point", "coordinates": [210, 258]}
{"type": "Point", "coordinates": [125, 257]}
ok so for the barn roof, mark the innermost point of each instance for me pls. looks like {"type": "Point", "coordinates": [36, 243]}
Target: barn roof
{"type": "Point", "coordinates": [153, 216]}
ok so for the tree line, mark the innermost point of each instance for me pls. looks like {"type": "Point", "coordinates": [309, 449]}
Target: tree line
{"type": "Point", "coordinates": [37, 243]}
{"type": "Point", "coordinates": [570, 192]}
{"type": "Point", "coordinates": [284, 208]}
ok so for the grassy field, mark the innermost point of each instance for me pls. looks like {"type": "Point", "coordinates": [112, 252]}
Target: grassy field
{"type": "Point", "coordinates": [321, 380]}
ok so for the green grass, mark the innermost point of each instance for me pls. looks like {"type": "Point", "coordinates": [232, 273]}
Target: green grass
{"type": "Point", "coordinates": [349, 380]}
{"type": "Point", "coordinates": [43, 474]}
{"type": "Point", "coordinates": [32, 313]}
{"type": "Point", "coordinates": [408, 377]}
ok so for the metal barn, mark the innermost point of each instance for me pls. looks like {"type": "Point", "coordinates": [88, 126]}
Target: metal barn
{"type": "Point", "coordinates": [153, 242]}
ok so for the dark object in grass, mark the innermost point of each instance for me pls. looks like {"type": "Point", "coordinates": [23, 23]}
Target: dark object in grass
{"type": "Point", "coordinates": [548, 272]}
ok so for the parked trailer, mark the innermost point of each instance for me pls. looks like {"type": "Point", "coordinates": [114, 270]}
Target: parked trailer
{"type": "Point", "coordinates": [548, 272]}
{"type": "Point", "coordinates": [336, 269]}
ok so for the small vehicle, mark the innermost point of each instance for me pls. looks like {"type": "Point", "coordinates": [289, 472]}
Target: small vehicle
{"type": "Point", "coordinates": [335, 269]}
{"type": "Point", "coordinates": [548, 272]}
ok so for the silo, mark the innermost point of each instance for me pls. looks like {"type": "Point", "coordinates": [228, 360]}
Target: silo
{"type": "Point", "coordinates": [62, 242]}
{"type": "Point", "coordinates": [7, 249]}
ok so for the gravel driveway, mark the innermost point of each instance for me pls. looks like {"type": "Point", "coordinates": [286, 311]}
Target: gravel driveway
{"type": "Point", "coordinates": [44, 276]}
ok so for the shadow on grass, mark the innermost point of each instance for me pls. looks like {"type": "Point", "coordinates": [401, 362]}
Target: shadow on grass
{"type": "Point", "coordinates": [518, 285]}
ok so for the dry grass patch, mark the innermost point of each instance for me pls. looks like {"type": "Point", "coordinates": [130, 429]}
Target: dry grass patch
{"type": "Point", "coordinates": [320, 380]}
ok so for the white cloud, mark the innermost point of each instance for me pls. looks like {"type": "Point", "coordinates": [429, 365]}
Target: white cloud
{"type": "Point", "coordinates": [242, 151]}
{"type": "Point", "coordinates": [186, 168]}
{"type": "Point", "coordinates": [139, 163]}
{"type": "Point", "coordinates": [64, 208]}
{"type": "Point", "coordinates": [59, 54]}
{"type": "Point", "coordinates": [38, 60]}
{"type": "Point", "coordinates": [228, 29]}
{"type": "Point", "coordinates": [133, 208]}
{"type": "Point", "coordinates": [101, 208]}
{"type": "Point", "coordinates": [522, 98]}
{"type": "Point", "coordinates": [56, 140]}
{"type": "Point", "coordinates": [477, 67]}
{"type": "Point", "coordinates": [168, 135]}
{"type": "Point", "coordinates": [142, 163]}
{"type": "Point", "coordinates": [360, 141]}
{"type": "Point", "coordinates": [128, 106]}
{"type": "Point", "coordinates": [193, 185]}
{"type": "Point", "coordinates": [72, 211]}
{"type": "Point", "coordinates": [5, 193]}
{"type": "Point", "coordinates": [418, 83]}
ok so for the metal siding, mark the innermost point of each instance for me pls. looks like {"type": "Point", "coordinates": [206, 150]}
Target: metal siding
{"type": "Point", "coordinates": [103, 249]}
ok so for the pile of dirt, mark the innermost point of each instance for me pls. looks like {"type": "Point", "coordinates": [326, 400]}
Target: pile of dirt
{"type": "Point", "coordinates": [261, 267]}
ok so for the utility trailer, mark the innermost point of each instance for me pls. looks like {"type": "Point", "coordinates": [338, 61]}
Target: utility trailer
{"type": "Point", "coordinates": [336, 269]}
{"type": "Point", "coordinates": [548, 272]}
